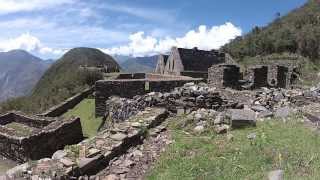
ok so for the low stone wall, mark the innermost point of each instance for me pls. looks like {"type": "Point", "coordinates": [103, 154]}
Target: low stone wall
{"type": "Point", "coordinates": [195, 74]}
{"type": "Point", "coordinates": [92, 155]}
{"type": "Point", "coordinates": [36, 122]}
{"type": "Point", "coordinates": [130, 88]}
{"type": "Point", "coordinates": [42, 142]}
{"type": "Point", "coordinates": [68, 104]}
{"type": "Point", "coordinates": [132, 76]}
{"type": "Point", "coordinates": [153, 76]}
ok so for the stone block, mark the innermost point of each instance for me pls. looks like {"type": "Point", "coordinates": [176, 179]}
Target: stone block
{"type": "Point", "coordinates": [242, 118]}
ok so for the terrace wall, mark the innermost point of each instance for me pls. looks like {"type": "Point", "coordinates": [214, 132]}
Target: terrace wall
{"type": "Point", "coordinates": [68, 104]}
{"type": "Point", "coordinates": [130, 88]}
{"type": "Point", "coordinates": [132, 76]}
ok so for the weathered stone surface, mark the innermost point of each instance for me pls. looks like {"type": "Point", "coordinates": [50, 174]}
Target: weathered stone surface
{"type": "Point", "coordinates": [283, 112]}
{"type": "Point", "coordinates": [59, 155]}
{"type": "Point", "coordinates": [18, 169]}
{"type": "Point", "coordinates": [118, 136]}
{"type": "Point", "coordinates": [111, 177]}
{"type": "Point", "coordinates": [242, 118]}
{"type": "Point", "coordinates": [87, 163]}
{"type": "Point", "coordinates": [93, 152]}
{"type": "Point", "coordinates": [259, 108]}
{"type": "Point", "coordinates": [221, 129]}
{"type": "Point", "coordinates": [199, 129]}
{"type": "Point", "coordinates": [66, 162]}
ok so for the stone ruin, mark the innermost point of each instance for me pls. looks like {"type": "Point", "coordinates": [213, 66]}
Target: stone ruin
{"type": "Point", "coordinates": [24, 138]}
{"type": "Point", "coordinates": [130, 85]}
{"type": "Point", "coordinates": [254, 77]}
{"type": "Point", "coordinates": [224, 75]}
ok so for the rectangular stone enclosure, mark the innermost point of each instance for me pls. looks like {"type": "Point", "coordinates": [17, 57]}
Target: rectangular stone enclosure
{"type": "Point", "coordinates": [24, 138]}
{"type": "Point", "coordinates": [224, 75]}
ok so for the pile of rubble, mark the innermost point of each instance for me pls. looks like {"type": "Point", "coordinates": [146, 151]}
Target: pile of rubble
{"type": "Point", "coordinates": [220, 122]}
{"type": "Point", "coordinates": [189, 97]}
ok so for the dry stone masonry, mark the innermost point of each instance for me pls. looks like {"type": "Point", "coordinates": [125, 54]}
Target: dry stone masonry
{"type": "Point", "coordinates": [92, 155]}
{"type": "Point", "coordinates": [254, 77]}
{"type": "Point", "coordinates": [129, 88]}
{"type": "Point", "coordinates": [24, 138]}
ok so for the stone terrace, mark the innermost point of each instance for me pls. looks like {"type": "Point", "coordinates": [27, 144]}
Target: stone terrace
{"type": "Point", "coordinates": [93, 155]}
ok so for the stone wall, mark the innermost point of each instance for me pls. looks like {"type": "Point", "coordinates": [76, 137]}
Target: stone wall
{"type": "Point", "coordinates": [42, 142]}
{"type": "Point", "coordinates": [68, 104]}
{"type": "Point", "coordinates": [224, 76]}
{"type": "Point", "coordinates": [132, 76]}
{"type": "Point", "coordinates": [130, 88]}
{"type": "Point", "coordinates": [195, 74]}
{"type": "Point", "coordinates": [259, 76]}
{"type": "Point", "coordinates": [93, 155]}
{"type": "Point", "coordinates": [34, 121]}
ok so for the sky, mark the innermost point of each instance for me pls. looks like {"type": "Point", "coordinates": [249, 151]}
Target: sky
{"type": "Point", "coordinates": [49, 28]}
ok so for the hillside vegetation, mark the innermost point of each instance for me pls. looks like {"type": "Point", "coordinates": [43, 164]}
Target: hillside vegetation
{"type": "Point", "coordinates": [287, 145]}
{"type": "Point", "coordinates": [63, 80]}
{"type": "Point", "coordinates": [297, 32]}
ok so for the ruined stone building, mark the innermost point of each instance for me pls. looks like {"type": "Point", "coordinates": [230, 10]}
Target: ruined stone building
{"type": "Point", "coordinates": [256, 76]}
{"type": "Point", "coordinates": [189, 62]}
{"type": "Point", "coordinates": [102, 68]}
{"type": "Point", "coordinates": [224, 75]}
{"type": "Point", "coordinates": [161, 63]}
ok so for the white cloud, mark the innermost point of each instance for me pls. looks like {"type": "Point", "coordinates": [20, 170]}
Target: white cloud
{"type": "Point", "coordinates": [12, 6]}
{"type": "Point", "coordinates": [29, 43]}
{"type": "Point", "coordinates": [203, 38]}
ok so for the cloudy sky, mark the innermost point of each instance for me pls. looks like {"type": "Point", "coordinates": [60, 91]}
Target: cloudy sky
{"type": "Point", "coordinates": [48, 28]}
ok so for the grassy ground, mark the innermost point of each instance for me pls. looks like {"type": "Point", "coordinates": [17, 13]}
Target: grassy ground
{"type": "Point", "coordinates": [85, 110]}
{"type": "Point", "coordinates": [21, 130]}
{"type": "Point", "coordinates": [6, 164]}
{"type": "Point", "coordinates": [289, 146]}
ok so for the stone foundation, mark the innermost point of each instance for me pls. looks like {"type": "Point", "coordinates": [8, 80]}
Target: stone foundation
{"type": "Point", "coordinates": [24, 138]}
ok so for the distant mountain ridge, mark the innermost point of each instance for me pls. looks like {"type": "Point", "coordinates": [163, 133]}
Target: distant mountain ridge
{"type": "Point", "coordinates": [19, 72]}
{"type": "Point", "coordinates": [137, 64]}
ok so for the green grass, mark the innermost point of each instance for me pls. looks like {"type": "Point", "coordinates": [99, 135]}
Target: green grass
{"type": "Point", "coordinates": [289, 146]}
{"type": "Point", "coordinates": [85, 110]}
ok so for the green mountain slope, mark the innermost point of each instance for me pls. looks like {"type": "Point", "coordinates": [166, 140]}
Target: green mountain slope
{"type": "Point", "coordinates": [297, 32]}
{"type": "Point", "coordinates": [63, 80]}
